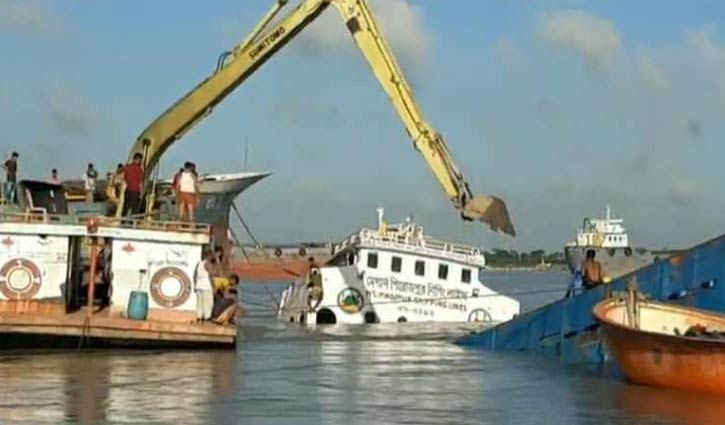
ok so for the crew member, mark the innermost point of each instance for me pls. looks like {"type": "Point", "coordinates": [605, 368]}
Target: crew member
{"type": "Point", "coordinates": [54, 176]}
{"type": "Point", "coordinates": [225, 302]}
{"type": "Point", "coordinates": [188, 191]}
{"type": "Point", "coordinates": [117, 182]}
{"type": "Point", "coordinates": [592, 270]}
{"type": "Point", "coordinates": [133, 176]}
{"type": "Point", "coordinates": [11, 171]}
{"type": "Point", "coordinates": [89, 182]}
{"type": "Point", "coordinates": [203, 287]}
{"type": "Point", "coordinates": [314, 288]}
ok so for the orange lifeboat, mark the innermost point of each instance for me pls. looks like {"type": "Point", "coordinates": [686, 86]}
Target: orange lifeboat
{"type": "Point", "coordinates": [664, 345]}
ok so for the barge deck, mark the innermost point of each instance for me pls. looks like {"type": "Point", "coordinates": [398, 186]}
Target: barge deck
{"type": "Point", "coordinates": [34, 325]}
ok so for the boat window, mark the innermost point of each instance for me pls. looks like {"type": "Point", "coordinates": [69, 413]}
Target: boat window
{"type": "Point", "coordinates": [396, 264]}
{"type": "Point", "coordinates": [466, 275]}
{"type": "Point", "coordinates": [373, 260]}
{"type": "Point", "coordinates": [443, 271]}
{"type": "Point", "coordinates": [420, 268]}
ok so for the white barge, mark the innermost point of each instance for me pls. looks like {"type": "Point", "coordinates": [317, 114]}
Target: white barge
{"type": "Point", "coordinates": [66, 280]}
{"type": "Point", "coordinates": [395, 273]}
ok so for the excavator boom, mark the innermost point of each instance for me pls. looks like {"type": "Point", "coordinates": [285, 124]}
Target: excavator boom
{"type": "Point", "coordinates": [255, 50]}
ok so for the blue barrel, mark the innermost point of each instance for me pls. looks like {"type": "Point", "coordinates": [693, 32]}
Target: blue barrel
{"type": "Point", "coordinates": [138, 305]}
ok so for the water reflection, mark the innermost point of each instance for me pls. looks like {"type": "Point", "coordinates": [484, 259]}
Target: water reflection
{"type": "Point", "coordinates": [676, 407]}
{"type": "Point", "coordinates": [92, 388]}
{"type": "Point", "coordinates": [405, 381]}
{"type": "Point", "coordinates": [337, 375]}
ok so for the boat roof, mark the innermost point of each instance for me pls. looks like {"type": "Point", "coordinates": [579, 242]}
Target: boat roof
{"type": "Point", "coordinates": [242, 175]}
{"type": "Point", "coordinates": [409, 238]}
{"type": "Point", "coordinates": [66, 225]}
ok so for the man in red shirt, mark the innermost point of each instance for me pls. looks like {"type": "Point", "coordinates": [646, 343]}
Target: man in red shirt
{"type": "Point", "coordinates": [133, 175]}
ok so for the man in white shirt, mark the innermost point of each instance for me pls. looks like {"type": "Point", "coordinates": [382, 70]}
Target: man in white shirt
{"type": "Point", "coordinates": [203, 287]}
{"type": "Point", "coordinates": [187, 193]}
{"type": "Point", "coordinates": [89, 182]}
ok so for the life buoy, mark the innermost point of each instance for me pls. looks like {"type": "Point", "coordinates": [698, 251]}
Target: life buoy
{"type": "Point", "coordinates": [480, 315]}
{"type": "Point", "coordinates": [612, 251]}
{"type": "Point", "coordinates": [302, 252]}
{"type": "Point", "coordinates": [278, 252]}
{"type": "Point", "coordinates": [628, 251]}
{"type": "Point", "coordinates": [170, 287]}
{"type": "Point", "coordinates": [20, 279]}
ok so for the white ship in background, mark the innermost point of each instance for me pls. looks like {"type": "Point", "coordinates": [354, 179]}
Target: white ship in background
{"type": "Point", "coordinates": [395, 273]}
{"type": "Point", "coordinates": [610, 241]}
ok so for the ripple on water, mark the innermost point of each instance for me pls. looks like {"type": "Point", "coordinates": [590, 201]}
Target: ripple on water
{"type": "Point", "coordinates": [408, 374]}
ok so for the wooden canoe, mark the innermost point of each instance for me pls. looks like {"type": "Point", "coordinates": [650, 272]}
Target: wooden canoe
{"type": "Point", "coordinates": [647, 340]}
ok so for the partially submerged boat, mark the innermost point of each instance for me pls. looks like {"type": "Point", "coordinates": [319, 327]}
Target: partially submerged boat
{"type": "Point", "coordinates": [665, 345]}
{"type": "Point", "coordinates": [396, 273]}
{"type": "Point", "coordinates": [81, 279]}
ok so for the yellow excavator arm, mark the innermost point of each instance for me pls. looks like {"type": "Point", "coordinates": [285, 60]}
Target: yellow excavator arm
{"type": "Point", "coordinates": [235, 66]}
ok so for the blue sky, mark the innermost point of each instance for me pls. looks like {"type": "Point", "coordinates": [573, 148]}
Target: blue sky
{"type": "Point", "coordinates": [559, 107]}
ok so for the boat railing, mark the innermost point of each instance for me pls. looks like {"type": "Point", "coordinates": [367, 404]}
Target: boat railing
{"type": "Point", "coordinates": [42, 217]}
{"type": "Point", "coordinates": [414, 243]}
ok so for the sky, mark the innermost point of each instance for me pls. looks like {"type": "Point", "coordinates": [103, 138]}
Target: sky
{"type": "Point", "coordinates": [558, 107]}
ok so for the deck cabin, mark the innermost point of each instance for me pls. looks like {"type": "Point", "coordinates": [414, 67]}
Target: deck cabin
{"type": "Point", "coordinates": [67, 273]}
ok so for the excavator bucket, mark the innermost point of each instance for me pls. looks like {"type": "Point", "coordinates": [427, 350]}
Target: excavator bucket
{"type": "Point", "coordinates": [490, 210]}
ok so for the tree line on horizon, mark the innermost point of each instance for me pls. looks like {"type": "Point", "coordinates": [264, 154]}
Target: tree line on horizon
{"type": "Point", "coordinates": [507, 258]}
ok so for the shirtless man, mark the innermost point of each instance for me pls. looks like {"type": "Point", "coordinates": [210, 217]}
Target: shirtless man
{"type": "Point", "coordinates": [592, 270]}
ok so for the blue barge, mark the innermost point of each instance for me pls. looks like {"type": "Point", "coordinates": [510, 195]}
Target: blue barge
{"type": "Point", "coordinates": [567, 329]}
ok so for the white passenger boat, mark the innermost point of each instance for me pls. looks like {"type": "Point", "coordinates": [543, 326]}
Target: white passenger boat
{"type": "Point", "coordinates": [395, 273]}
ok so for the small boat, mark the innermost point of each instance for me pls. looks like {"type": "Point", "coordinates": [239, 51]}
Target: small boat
{"type": "Point", "coordinates": [665, 345]}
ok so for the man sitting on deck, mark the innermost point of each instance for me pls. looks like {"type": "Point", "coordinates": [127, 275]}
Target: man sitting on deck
{"type": "Point", "coordinates": [593, 274]}
{"type": "Point", "coordinates": [225, 300]}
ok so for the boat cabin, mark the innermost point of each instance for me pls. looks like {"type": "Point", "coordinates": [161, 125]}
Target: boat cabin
{"type": "Point", "coordinates": [608, 232]}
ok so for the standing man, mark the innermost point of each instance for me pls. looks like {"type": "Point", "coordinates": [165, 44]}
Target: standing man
{"type": "Point", "coordinates": [203, 287]}
{"type": "Point", "coordinates": [11, 170]}
{"type": "Point", "coordinates": [592, 270]}
{"type": "Point", "coordinates": [89, 182]}
{"type": "Point", "coordinates": [133, 176]}
{"type": "Point", "coordinates": [188, 190]}
{"type": "Point", "coordinates": [114, 190]}
{"type": "Point", "coordinates": [54, 176]}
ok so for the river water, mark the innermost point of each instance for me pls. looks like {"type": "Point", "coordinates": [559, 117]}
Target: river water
{"type": "Point", "coordinates": [377, 374]}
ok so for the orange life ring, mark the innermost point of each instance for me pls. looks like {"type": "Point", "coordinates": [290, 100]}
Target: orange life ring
{"type": "Point", "coordinates": [173, 300]}
{"type": "Point", "coordinates": [20, 279]}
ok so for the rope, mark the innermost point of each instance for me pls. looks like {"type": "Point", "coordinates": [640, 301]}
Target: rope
{"type": "Point", "coordinates": [238, 242]}
{"type": "Point", "coordinates": [246, 228]}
